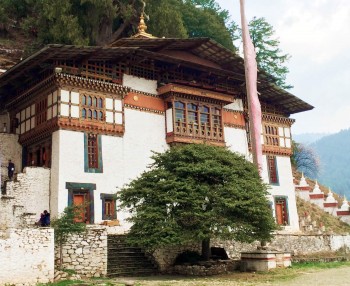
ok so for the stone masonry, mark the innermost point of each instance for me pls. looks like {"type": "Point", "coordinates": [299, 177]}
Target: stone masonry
{"type": "Point", "coordinates": [86, 253]}
{"type": "Point", "coordinates": [25, 198]}
{"type": "Point", "coordinates": [10, 149]}
{"type": "Point", "coordinates": [26, 256]}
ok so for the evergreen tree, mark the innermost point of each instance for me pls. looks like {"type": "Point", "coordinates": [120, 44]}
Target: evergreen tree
{"type": "Point", "coordinates": [268, 54]}
{"type": "Point", "coordinates": [193, 193]}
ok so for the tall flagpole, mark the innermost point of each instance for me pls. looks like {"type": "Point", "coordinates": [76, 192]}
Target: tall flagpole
{"type": "Point", "coordinates": [254, 109]}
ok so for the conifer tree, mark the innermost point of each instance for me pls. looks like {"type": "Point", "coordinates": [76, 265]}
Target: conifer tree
{"type": "Point", "coordinates": [194, 193]}
{"type": "Point", "coordinates": [269, 56]}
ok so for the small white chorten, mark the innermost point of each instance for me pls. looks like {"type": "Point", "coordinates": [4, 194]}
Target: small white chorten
{"type": "Point", "coordinates": [303, 182]}
{"type": "Point", "coordinates": [330, 198]}
{"type": "Point", "coordinates": [317, 189]}
{"type": "Point", "coordinates": [345, 205]}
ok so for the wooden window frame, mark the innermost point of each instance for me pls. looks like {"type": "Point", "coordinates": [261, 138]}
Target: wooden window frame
{"type": "Point", "coordinates": [272, 169]}
{"type": "Point", "coordinates": [93, 162]}
{"type": "Point", "coordinates": [108, 198]}
{"type": "Point", "coordinates": [92, 104]}
{"type": "Point", "coordinates": [192, 125]}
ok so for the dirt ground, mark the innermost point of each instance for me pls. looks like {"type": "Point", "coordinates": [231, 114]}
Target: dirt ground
{"type": "Point", "coordinates": [327, 277]}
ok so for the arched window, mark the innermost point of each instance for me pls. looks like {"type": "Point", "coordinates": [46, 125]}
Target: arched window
{"type": "Point", "coordinates": [89, 114]}
{"type": "Point", "coordinates": [95, 114]}
{"type": "Point", "coordinates": [83, 113]}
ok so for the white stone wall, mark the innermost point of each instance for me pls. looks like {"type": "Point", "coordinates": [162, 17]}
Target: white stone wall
{"type": "Point", "coordinates": [86, 253]}
{"type": "Point", "coordinates": [285, 187]}
{"type": "Point", "coordinates": [124, 158]}
{"type": "Point", "coordinates": [10, 149]}
{"type": "Point", "coordinates": [27, 256]}
{"type": "Point", "coordinates": [26, 198]}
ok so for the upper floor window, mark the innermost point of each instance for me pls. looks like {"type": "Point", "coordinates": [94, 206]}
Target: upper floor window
{"type": "Point", "coordinates": [276, 135]}
{"type": "Point", "coordinates": [197, 120]}
{"type": "Point", "coordinates": [92, 107]}
{"type": "Point", "coordinates": [41, 111]}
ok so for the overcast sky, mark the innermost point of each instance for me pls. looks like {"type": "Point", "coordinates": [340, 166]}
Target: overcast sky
{"type": "Point", "coordinates": [316, 33]}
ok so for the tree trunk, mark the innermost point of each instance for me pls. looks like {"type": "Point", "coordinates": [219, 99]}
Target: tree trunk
{"type": "Point", "coordinates": [206, 253]}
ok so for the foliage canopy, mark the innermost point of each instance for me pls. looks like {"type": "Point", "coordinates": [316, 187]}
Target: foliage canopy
{"type": "Point", "coordinates": [269, 56]}
{"type": "Point", "coordinates": [193, 193]}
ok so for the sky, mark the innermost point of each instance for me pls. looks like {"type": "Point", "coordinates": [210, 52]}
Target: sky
{"type": "Point", "coordinates": [316, 33]}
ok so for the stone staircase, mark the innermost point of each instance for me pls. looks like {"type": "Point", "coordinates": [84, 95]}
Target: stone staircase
{"type": "Point", "coordinates": [126, 260]}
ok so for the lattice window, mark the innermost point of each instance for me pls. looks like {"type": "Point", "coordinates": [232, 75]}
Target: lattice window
{"type": "Point", "coordinates": [41, 111]}
{"type": "Point", "coordinates": [272, 169]}
{"type": "Point", "coordinates": [198, 120]}
{"type": "Point", "coordinates": [92, 107]}
{"type": "Point", "coordinates": [271, 136]}
{"type": "Point", "coordinates": [92, 151]}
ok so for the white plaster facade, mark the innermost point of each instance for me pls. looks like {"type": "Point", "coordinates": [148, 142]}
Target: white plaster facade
{"type": "Point", "coordinates": [124, 158]}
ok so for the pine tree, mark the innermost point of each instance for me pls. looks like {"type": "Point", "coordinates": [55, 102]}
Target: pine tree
{"type": "Point", "coordinates": [269, 56]}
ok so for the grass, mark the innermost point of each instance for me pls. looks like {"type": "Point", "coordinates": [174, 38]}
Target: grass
{"type": "Point", "coordinates": [232, 279]}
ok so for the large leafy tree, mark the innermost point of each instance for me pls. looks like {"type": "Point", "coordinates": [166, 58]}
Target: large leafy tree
{"type": "Point", "coordinates": [270, 57]}
{"type": "Point", "coordinates": [98, 22]}
{"type": "Point", "coordinates": [193, 193]}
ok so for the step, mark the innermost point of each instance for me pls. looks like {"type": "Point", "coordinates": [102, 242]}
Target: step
{"type": "Point", "coordinates": [129, 263]}
{"type": "Point", "coordinates": [126, 273]}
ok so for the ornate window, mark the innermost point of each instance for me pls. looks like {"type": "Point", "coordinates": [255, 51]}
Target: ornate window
{"type": "Point", "coordinates": [272, 169]}
{"type": "Point", "coordinates": [93, 153]}
{"type": "Point", "coordinates": [197, 120]}
{"type": "Point", "coordinates": [271, 136]}
{"type": "Point", "coordinates": [281, 210]}
{"type": "Point", "coordinates": [92, 107]}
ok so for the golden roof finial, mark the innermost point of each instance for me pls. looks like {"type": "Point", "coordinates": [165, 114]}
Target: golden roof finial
{"type": "Point", "coordinates": [142, 27]}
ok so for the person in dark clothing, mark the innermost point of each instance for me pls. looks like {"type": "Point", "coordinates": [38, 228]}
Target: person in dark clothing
{"type": "Point", "coordinates": [10, 170]}
{"type": "Point", "coordinates": [44, 218]}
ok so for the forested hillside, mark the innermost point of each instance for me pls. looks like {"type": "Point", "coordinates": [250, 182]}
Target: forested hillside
{"type": "Point", "coordinates": [28, 25]}
{"type": "Point", "coordinates": [334, 153]}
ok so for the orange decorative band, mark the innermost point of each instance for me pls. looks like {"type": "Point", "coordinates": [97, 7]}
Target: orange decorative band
{"type": "Point", "coordinates": [144, 102]}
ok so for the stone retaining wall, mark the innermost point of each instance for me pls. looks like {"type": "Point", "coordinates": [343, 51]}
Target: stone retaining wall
{"type": "Point", "coordinates": [297, 244]}
{"type": "Point", "coordinates": [25, 198]}
{"type": "Point", "coordinates": [10, 149]}
{"type": "Point", "coordinates": [27, 256]}
{"type": "Point", "coordinates": [86, 253]}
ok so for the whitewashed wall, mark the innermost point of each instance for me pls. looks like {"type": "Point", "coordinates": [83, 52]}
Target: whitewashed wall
{"type": "Point", "coordinates": [236, 140]}
{"type": "Point", "coordinates": [27, 256]}
{"type": "Point", "coordinates": [124, 158]}
{"type": "Point", "coordinates": [284, 188]}
{"type": "Point", "coordinates": [140, 84]}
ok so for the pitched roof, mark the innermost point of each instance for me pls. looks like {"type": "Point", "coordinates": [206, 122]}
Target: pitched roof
{"type": "Point", "coordinates": [228, 64]}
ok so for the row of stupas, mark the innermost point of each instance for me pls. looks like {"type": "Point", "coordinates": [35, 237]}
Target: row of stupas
{"type": "Point", "coordinates": [327, 202]}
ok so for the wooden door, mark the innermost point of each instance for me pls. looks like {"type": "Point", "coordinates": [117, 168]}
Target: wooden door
{"type": "Point", "coordinates": [82, 199]}
{"type": "Point", "coordinates": [279, 214]}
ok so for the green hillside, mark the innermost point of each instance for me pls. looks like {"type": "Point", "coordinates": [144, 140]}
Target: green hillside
{"type": "Point", "coordinates": [334, 153]}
